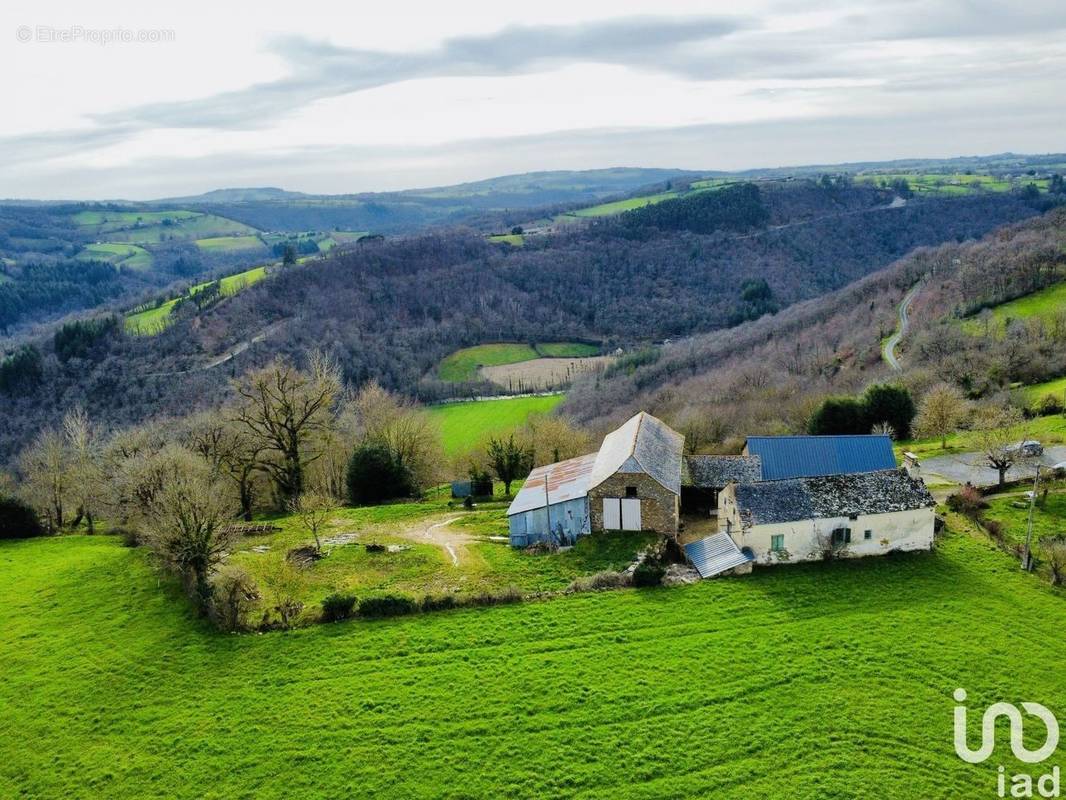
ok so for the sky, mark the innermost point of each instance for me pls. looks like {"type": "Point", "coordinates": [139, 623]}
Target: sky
{"type": "Point", "coordinates": [148, 100]}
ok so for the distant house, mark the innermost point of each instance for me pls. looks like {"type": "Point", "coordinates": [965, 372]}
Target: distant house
{"type": "Point", "coordinates": [805, 456]}
{"type": "Point", "coordinates": [856, 514]}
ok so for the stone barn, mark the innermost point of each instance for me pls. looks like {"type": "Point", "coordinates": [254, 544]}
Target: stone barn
{"type": "Point", "coordinates": [632, 483]}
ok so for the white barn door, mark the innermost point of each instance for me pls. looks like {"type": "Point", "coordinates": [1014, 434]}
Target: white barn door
{"type": "Point", "coordinates": [631, 514]}
{"type": "Point", "coordinates": [612, 514]}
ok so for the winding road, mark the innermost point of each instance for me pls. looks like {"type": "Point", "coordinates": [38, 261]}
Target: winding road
{"type": "Point", "coordinates": [889, 350]}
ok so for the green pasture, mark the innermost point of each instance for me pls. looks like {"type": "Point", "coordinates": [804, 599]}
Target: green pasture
{"type": "Point", "coordinates": [119, 254]}
{"type": "Point", "coordinates": [465, 425]}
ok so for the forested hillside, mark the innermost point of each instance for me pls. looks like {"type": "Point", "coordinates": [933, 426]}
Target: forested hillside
{"type": "Point", "coordinates": [767, 376]}
{"type": "Point", "coordinates": [390, 310]}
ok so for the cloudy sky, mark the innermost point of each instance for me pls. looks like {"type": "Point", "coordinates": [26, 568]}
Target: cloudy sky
{"type": "Point", "coordinates": [143, 100]}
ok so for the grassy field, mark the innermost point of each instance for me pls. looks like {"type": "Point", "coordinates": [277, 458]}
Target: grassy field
{"type": "Point", "coordinates": [1049, 430]}
{"type": "Point", "coordinates": [1043, 304]}
{"type": "Point", "coordinates": [618, 206]}
{"type": "Point", "coordinates": [117, 220]}
{"type": "Point", "coordinates": [463, 425]}
{"type": "Point", "coordinates": [419, 565]}
{"type": "Point", "coordinates": [1038, 391]}
{"type": "Point", "coordinates": [227, 244]}
{"type": "Point", "coordinates": [814, 681]}
{"type": "Point", "coordinates": [462, 365]}
{"type": "Point", "coordinates": [950, 183]}
{"type": "Point", "coordinates": [515, 239]}
{"type": "Point", "coordinates": [150, 321]}
{"type": "Point", "coordinates": [121, 255]}
{"type": "Point", "coordinates": [184, 228]}
{"type": "Point", "coordinates": [1049, 519]}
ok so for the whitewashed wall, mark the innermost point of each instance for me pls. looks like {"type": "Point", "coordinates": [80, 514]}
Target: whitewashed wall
{"type": "Point", "coordinates": [897, 530]}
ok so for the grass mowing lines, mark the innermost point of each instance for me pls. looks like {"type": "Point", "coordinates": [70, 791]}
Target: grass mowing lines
{"type": "Point", "coordinates": [464, 425]}
{"type": "Point", "coordinates": [762, 686]}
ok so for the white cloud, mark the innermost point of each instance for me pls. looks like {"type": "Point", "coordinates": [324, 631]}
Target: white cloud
{"type": "Point", "coordinates": [412, 94]}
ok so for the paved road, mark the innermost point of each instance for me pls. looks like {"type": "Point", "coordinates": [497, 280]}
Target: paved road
{"type": "Point", "coordinates": [972, 467]}
{"type": "Point", "coordinates": [889, 352]}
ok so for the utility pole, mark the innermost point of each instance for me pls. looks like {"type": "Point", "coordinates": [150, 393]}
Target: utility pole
{"type": "Point", "coordinates": [1027, 558]}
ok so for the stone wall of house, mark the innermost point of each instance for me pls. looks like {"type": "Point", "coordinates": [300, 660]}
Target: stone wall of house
{"type": "Point", "coordinates": [658, 505]}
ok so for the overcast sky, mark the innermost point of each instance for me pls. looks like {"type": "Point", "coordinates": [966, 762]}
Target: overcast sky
{"type": "Point", "coordinates": [348, 97]}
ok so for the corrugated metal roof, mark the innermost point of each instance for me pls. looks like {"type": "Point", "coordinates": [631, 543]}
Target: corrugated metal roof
{"type": "Point", "coordinates": [714, 555]}
{"type": "Point", "coordinates": [826, 496]}
{"type": "Point", "coordinates": [706, 472]}
{"type": "Point", "coordinates": [645, 444]}
{"type": "Point", "coordinates": [565, 481]}
{"type": "Point", "coordinates": [803, 456]}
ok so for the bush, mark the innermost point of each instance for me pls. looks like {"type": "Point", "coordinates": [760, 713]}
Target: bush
{"type": "Point", "coordinates": [994, 529]}
{"type": "Point", "coordinates": [374, 547]}
{"type": "Point", "coordinates": [968, 501]}
{"type": "Point", "coordinates": [234, 594]}
{"type": "Point", "coordinates": [443, 603]}
{"type": "Point", "coordinates": [389, 605]}
{"type": "Point", "coordinates": [649, 572]}
{"type": "Point", "coordinates": [1049, 404]}
{"type": "Point", "coordinates": [512, 594]}
{"type": "Point", "coordinates": [374, 475]}
{"type": "Point", "coordinates": [129, 536]}
{"type": "Point", "coordinates": [839, 416]}
{"type": "Point", "coordinates": [884, 402]}
{"type": "Point", "coordinates": [608, 579]}
{"type": "Point", "coordinates": [18, 520]}
{"type": "Point", "coordinates": [336, 607]}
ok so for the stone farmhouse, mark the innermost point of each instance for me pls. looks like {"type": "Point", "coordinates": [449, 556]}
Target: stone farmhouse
{"type": "Point", "coordinates": [784, 499]}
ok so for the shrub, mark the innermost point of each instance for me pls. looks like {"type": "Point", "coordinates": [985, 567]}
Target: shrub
{"type": "Point", "coordinates": [129, 536]}
{"type": "Point", "coordinates": [234, 594]}
{"type": "Point", "coordinates": [336, 607]}
{"type": "Point", "coordinates": [374, 547]}
{"type": "Point", "coordinates": [839, 416]}
{"type": "Point", "coordinates": [649, 572]}
{"type": "Point", "coordinates": [512, 594]}
{"type": "Point", "coordinates": [389, 605]}
{"type": "Point", "coordinates": [608, 579]}
{"type": "Point", "coordinates": [968, 501]}
{"type": "Point", "coordinates": [374, 475]}
{"type": "Point", "coordinates": [994, 529]}
{"type": "Point", "coordinates": [443, 603]}
{"type": "Point", "coordinates": [892, 404]}
{"type": "Point", "coordinates": [1049, 404]}
{"type": "Point", "coordinates": [18, 520]}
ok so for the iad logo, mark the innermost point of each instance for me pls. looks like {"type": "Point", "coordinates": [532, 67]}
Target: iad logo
{"type": "Point", "coordinates": [1020, 785]}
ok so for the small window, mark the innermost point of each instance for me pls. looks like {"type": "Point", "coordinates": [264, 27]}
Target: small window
{"type": "Point", "coordinates": [841, 536]}
{"type": "Point", "coordinates": [853, 517]}
{"type": "Point", "coordinates": [867, 535]}
{"type": "Point", "coordinates": [777, 542]}
{"type": "Point", "coordinates": [631, 491]}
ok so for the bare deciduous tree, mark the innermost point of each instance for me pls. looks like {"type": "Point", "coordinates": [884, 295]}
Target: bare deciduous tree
{"type": "Point", "coordinates": [1054, 551]}
{"type": "Point", "coordinates": [45, 466]}
{"type": "Point", "coordinates": [940, 413]}
{"type": "Point", "coordinates": [86, 475]}
{"type": "Point", "coordinates": [999, 430]}
{"type": "Point", "coordinates": [189, 517]}
{"type": "Point", "coordinates": [283, 409]}
{"type": "Point", "coordinates": [313, 510]}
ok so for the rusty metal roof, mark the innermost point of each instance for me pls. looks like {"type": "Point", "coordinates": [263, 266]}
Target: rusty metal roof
{"type": "Point", "coordinates": [566, 480]}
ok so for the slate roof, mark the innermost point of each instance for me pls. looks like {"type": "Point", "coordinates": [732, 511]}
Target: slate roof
{"type": "Point", "coordinates": [566, 480]}
{"type": "Point", "coordinates": [825, 496]}
{"type": "Point", "coordinates": [706, 472]}
{"type": "Point", "coordinates": [643, 444]}
{"type": "Point", "coordinates": [802, 456]}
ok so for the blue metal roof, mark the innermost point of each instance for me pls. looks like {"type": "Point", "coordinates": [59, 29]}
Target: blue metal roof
{"type": "Point", "coordinates": [807, 456]}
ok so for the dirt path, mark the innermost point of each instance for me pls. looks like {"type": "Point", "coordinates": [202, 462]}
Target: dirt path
{"type": "Point", "coordinates": [889, 351]}
{"type": "Point", "coordinates": [453, 542]}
